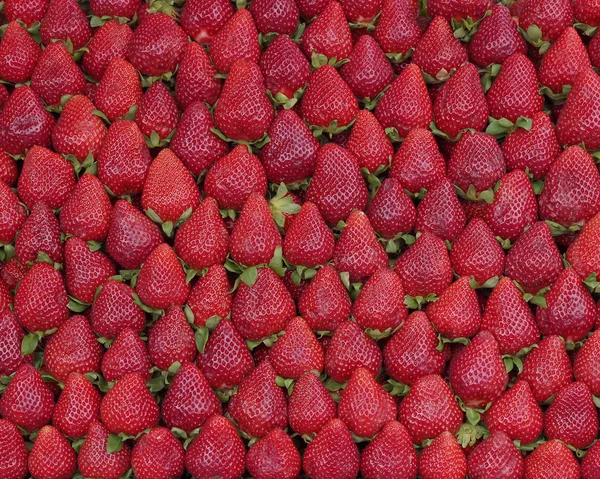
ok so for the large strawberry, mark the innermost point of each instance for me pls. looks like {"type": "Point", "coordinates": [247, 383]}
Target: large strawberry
{"type": "Point", "coordinates": [202, 19]}
{"type": "Point", "coordinates": [210, 296]}
{"type": "Point", "coordinates": [496, 456]}
{"type": "Point", "coordinates": [19, 54]}
{"type": "Point", "coordinates": [391, 454]}
{"type": "Point", "coordinates": [274, 456]}
{"type": "Point", "coordinates": [328, 36]}
{"type": "Point", "coordinates": [310, 406]}
{"type": "Point", "coordinates": [11, 356]}
{"type": "Point", "coordinates": [128, 354]}
{"type": "Point", "coordinates": [109, 41]}
{"type": "Point", "coordinates": [552, 459]}
{"type": "Point", "coordinates": [157, 453]}
{"type": "Point", "coordinates": [119, 89]}
{"type": "Point", "coordinates": [13, 458]}
{"type": "Point", "coordinates": [171, 339]}
{"type": "Point", "coordinates": [77, 408]}
{"type": "Point", "coordinates": [65, 20]}
{"type": "Point", "coordinates": [236, 40]}
{"type": "Point", "coordinates": [52, 455]}
{"type": "Point", "coordinates": [195, 79]}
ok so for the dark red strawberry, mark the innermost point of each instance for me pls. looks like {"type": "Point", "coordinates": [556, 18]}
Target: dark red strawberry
{"type": "Point", "coordinates": [77, 408]}
{"type": "Point", "coordinates": [114, 8]}
{"type": "Point", "coordinates": [590, 465]}
{"type": "Point", "coordinates": [195, 79]}
{"type": "Point", "coordinates": [119, 89]}
{"type": "Point", "coordinates": [109, 41]}
{"type": "Point", "coordinates": [65, 20]}
{"type": "Point", "coordinates": [202, 19]}
{"type": "Point", "coordinates": [210, 296]}
{"type": "Point", "coordinates": [586, 365]}
{"type": "Point", "coordinates": [582, 254]}
{"type": "Point", "coordinates": [458, 9]}
{"type": "Point", "coordinates": [236, 40]}
{"type": "Point", "coordinates": [40, 233]}
{"type": "Point", "coordinates": [391, 211]}
{"type": "Point", "coordinates": [8, 169]}
{"type": "Point", "coordinates": [11, 356]}
{"type": "Point", "coordinates": [128, 354]}
{"type": "Point", "coordinates": [52, 455]}
{"type": "Point", "coordinates": [552, 459]}
{"type": "Point", "coordinates": [157, 113]}
{"type": "Point", "coordinates": [496, 456]}
{"type": "Point", "coordinates": [19, 54]}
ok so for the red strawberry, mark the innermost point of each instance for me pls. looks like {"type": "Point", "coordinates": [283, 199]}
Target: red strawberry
{"type": "Point", "coordinates": [171, 339]}
{"type": "Point", "coordinates": [236, 40]}
{"type": "Point", "coordinates": [496, 456]}
{"type": "Point", "coordinates": [369, 142]}
{"type": "Point", "coordinates": [210, 296]}
{"type": "Point", "coordinates": [95, 461]}
{"type": "Point", "coordinates": [349, 350]}
{"type": "Point", "coordinates": [77, 408]}
{"type": "Point", "coordinates": [45, 177]}
{"type": "Point", "coordinates": [391, 454]}
{"type": "Point", "coordinates": [328, 35]}
{"type": "Point", "coordinates": [195, 79]}
{"type": "Point", "coordinates": [586, 12]}
{"type": "Point", "coordinates": [443, 458]}
{"type": "Point", "coordinates": [547, 368]}
{"type": "Point", "coordinates": [586, 364]}
{"type": "Point", "coordinates": [263, 309]}
{"type": "Point", "coordinates": [201, 19]}
{"type": "Point", "coordinates": [429, 409]}
{"type": "Point", "coordinates": [13, 459]}
{"type": "Point", "coordinates": [41, 299]}
{"type": "Point", "coordinates": [391, 211]}
{"type": "Point", "coordinates": [114, 8]}
{"type": "Point", "coordinates": [274, 456]}
{"type": "Point", "coordinates": [157, 112]}
{"type": "Point", "coordinates": [325, 302]}
{"type": "Point", "coordinates": [128, 354]}
{"type": "Point", "coordinates": [582, 254]}
{"type": "Point", "coordinates": [27, 402]}
{"type": "Point", "coordinates": [51, 457]}
{"type": "Point", "coordinates": [328, 102]}
{"type": "Point", "coordinates": [129, 407]}
{"type": "Point", "coordinates": [590, 466]}
{"type": "Point", "coordinates": [119, 89]}
{"type": "Point", "coordinates": [397, 30]}
{"type": "Point", "coordinates": [362, 11]}
{"type": "Point", "coordinates": [550, 17]}
{"type": "Point", "coordinates": [275, 16]}
{"type": "Point", "coordinates": [217, 435]}
{"type": "Point", "coordinates": [24, 122]}
{"type": "Point", "coordinates": [109, 41]}
{"type": "Point", "coordinates": [425, 267]}
{"type": "Point", "coordinates": [19, 54]}
{"type": "Point", "coordinates": [28, 12]}
{"type": "Point", "coordinates": [496, 38]}
{"type": "Point", "coordinates": [552, 459]}
{"type": "Point", "coordinates": [406, 104]}
{"type": "Point", "coordinates": [8, 169]}
{"type": "Point", "coordinates": [65, 20]}
{"type": "Point", "coordinates": [332, 453]}
{"type": "Point", "coordinates": [40, 233]}
{"type": "Point", "coordinates": [310, 405]}
{"type": "Point", "coordinates": [12, 273]}
{"type": "Point", "coordinates": [311, 8]}
{"type": "Point", "coordinates": [157, 454]}
{"type": "Point", "coordinates": [11, 356]}
{"type": "Point", "coordinates": [161, 282]}
{"type": "Point", "coordinates": [440, 212]}
{"type": "Point", "coordinates": [458, 9]}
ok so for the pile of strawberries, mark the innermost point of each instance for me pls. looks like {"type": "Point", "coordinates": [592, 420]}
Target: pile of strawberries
{"type": "Point", "coordinates": [303, 238]}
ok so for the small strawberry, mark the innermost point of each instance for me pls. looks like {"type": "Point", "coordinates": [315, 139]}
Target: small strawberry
{"type": "Point", "coordinates": [109, 41]}
{"type": "Point", "coordinates": [157, 454]}
{"type": "Point", "coordinates": [369, 142]}
{"type": "Point", "coordinates": [391, 454]}
{"type": "Point", "coordinates": [95, 461]}
{"type": "Point", "coordinates": [13, 458]}
{"type": "Point", "coordinates": [195, 79]}
{"type": "Point", "coordinates": [552, 459]}
{"type": "Point", "coordinates": [443, 458]}
{"type": "Point", "coordinates": [496, 456]}
{"type": "Point", "coordinates": [51, 457]}
{"type": "Point", "coordinates": [274, 456]}
{"type": "Point", "coordinates": [550, 17]}
{"type": "Point", "coordinates": [328, 35]}
{"type": "Point", "coordinates": [397, 30]}
{"type": "Point", "coordinates": [19, 54]}
{"type": "Point", "coordinates": [77, 408]}
{"type": "Point", "coordinates": [236, 40]}
{"type": "Point", "coordinates": [171, 339]}
{"type": "Point", "coordinates": [128, 354]}
{"type": "Point", "coordinates": [11, 356]}
{"type": "Point", "coordinates": [310, 405]}
{"type": "Point", "coordinates": [119, 89]}
{"type": "Point", "coordinates": [65, 20]}
{"type": "Point", "coordinates": [210, 296]}
{"type": "Point", "coordinates": [275, 16]}
{"type": "Point", "coordinates": [202, 19]}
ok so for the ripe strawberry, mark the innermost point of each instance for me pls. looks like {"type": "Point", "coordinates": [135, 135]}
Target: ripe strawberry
{"type": "Point", "coordinates": [171, 339]}
{"type": "Point", "coordinates": [65, 20]}
{"type": "Point", "coordinates": [275, 16]}
{"type": "Point", "coordinates": [77, 408]}
{"type": "Point", "coordinates": [6, 298]}
{"type": "Point", "coordinates": [195, 79]}
{"type": "Point", "coordinates": [41, 299]}
{"type": "Point", "coordinates": [328, 35]}
{"type": "Point", "coordinates": [586, 11]}
{"type": "Point", "coordinates": [349, 350]}
{"type": "Point", "coordinates": [586, 364]}
{"type": "Point", "coordinates": [129, 407]}
{"type": "Point", "coordinates": [274, 456]}
{"type": "Point", "coordinates": [362, 11]}
{"type": "Point", "coordinates": [310, 405]}
{"type": "Point", "coordinates": [263, 309]}
{"type": "Point", "coordinates": [8, 169]}
{"type": "Point", "coordinates": [217, 435]}
{"type": "Point", "coordinates": [443, 458]}
{"type": "Point", "coordinates": [13, 458]}
{"type": "Point", "coordinates": [311, 8]}
{"type": "Point", "coordinates": [332, 453]}
{"type": "Point", "coordinates": [550, 17]}
{"type": "Point", "coordinates": [328, 99]}
{"type": "Point", "coordinates": [45, 177]}
{"type": "Point", "coordinates": [12, 273]}
{"type": "Point", "coordinates": [425, 267]}
{"type": "Point", "coordinates": [109, 41]}
{"type": "Point", "coordinates": [236, 40]}
{"type": "Point", "coordinates": [94, 460]}
{"type": "Point", "coordinates": [397, 30]}
{"type": "Point", "coordinates": [391, 211]}
{"type": "Point", "coordinates": [496, 38]}
{"type": "Point", "coordinates": [161, 282]}
{"type": "Point", "coordinates": [40, 233]}
{"type": "Point", "coordinates": [369, 142]}
{"type": "Point", "coordinates": [157, 112]}
{"type": "Point", "coordinates": [552, 459]}
{"type": "Point", "coordinates": [325, 302]}
{"type": "Point", "coordinates": [590, 465]}
{"type": "Point", "coordinates": [429, 409]}
{"type": "Point", "coordinates": [158, 453]}
{"type": "Point", "coordinates": [201, 19]}
{"type": "Point", "coordinates": [27, 402]}
{"type": "Point", "coordinates": [24, 122]}
{"type": "Point", "coordinates": [51, 457]}
{"type": "Point", "coordinates": [12, 335]}
{"type": "Point", "coordinates": [547, 368]}
{"type": "Point", "coordinates": [459, 10]}
{"type": "Point", "coordinates": [28, 12]}
{"type": "Point", "coordinates": [210, 296]}
{"type": "Point", "coordinates": [114, 8]}
{"type": "Point", "coordinates": [514, 206]}
{"type": "Point", "coordinates": [406, 104]}
{"type": "Point", "coordinates": [418, 163]}
{"type": "Point", "coordinates": [496, 456]}
{"type": "Point", "coordinates": [440, 212]}
{"type": "Point", "coordinates": [582, 254]}
{"type": "Point", "coordinates": [128, 354]}
{"type": "Point", "coordinates": [118, 90]}
{"type": "Point", "coordinates": [19, 54]}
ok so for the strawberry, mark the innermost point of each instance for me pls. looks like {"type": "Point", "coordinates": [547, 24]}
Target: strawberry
{"type": "Point", "coordinates": [328, 102]}
{"type": "Point", "coordinates": [514, 92]}
{"type": "Point", "coordinates": [244, 112]}
{"type": "Point", "coordinates": [369, 142]}
{"type": "Point", "coordinates": [582, 253]}
{"type": "Point", "coordinates": [391, 211]}
{"type": "Point", "coordinates": [226, 358]}
{"type": "Point", "coordinates": [349, 350]}
{"type": "Point", "coordinates": [496, 38]}
{"type": "Point", "coordinates": [263, 309]}
{"type": "Point", "coordinates": [590, 465]}
{"type": "Point", "coordinates": [517, 414]}
{"type": "Point", "coordinates": [460, 103]}
{"type": "Point", "coordinates": [109, 41]}
{"type": "Point", "coordinates": [158, 454]}
{"type": "Point", "coordinates": [391, 454]}
{"type": "Point", "coordinates": [128, 354]}
{"type": "Point", "coordinates": [77, 408]}
{"type": "Point", "coordinates": [325, 302]}
{"type": "Point", "coordinates": [129, 407]}
{"type": "Point", "coordinates": [119, 89]}
{"type": "Point", "coordinates": [45, 177]}
{"type": "Point", "coordinates": [429, 409]}
{"type": "Point", "coordinates": [65, 20]}
{"type": "Point", "coordinates": [443, 458]}
{"type": "Point", "coordinates": [11, 356]}
{"type": "Point", "coordinates": [418, 163]}
{"type": "Point", "coordinates": [6, 298]}
{"type": "Point", "coordinates": [586, 365]}
{"type": "Point", "coordinates": [157, 112]}
{"type": "Point", "coordinates": [217, 435]}
{"type": "Point", "coordinates": [51, 456]}
{"type": "Point", "coordinates": [28, 13]}
{"type": "Point", "coordinates": [362, 11]}
{"type": "Point", "coordinates": [27, 402]}
{"type": "Point", "coordinates": [73, 348]}
{"type": "Point", "coordinates": [157, 45]}
{"type": "Point", "coordinates": [169, 189]}
{"type": "Point", "coordinates": [161, 282]}
{"type": "Point", "coordinates": [310, 405]}
{"type": "Point", "coordinates": [328, 35]}
{"type": "Point", "coordinates": [550, 17]}
{"type": "Point", "coordinates": [458, 9]}
{"type": "Point", "coordinates": [440, 212]}
{"type": "Point", "coordinates": [332, 453]}
{"type": "Point", "coordinates": [12, 274]}
{"type": "Point", "coordinates": [8, 169]}
{"type": "Point", "coordinates": [406, 104]}
{"type": "Point", "coordinates": [195, 79]}
{"type": "Point", "coordinates": [274, 456]}
{"type": "Point", "coordinates": [586, 11]}
{"type": "Point", "coordinates": [236, 40]}
{"type": "Point", "coordinates": [210, 296]}
{"type": "Point", "coordinates": [534, 150]}
{"type": "Point", "coordinates": [358, 252]}
{"type": "Point", "coordinates": [311, 8]}
{"type": "Point", "coordinates": [19, 54]}
{"type": "Point", "coordinates": [496, 456]}
{"type": "Point", "coordinates": [477, 372]}
{"type": "Point", "coordinates": [95, 461]}
{"type": "Point", "coordinates": [337, 186]}
{"type": "Point", "coordinates": [40, 233]}
{"type": "Point", "coordinates": [24, 122]}
{"type": "Point", "coordinates": [552, 459]}
{"type": "Point", "coordinates": [425, 267]}
{"type": "Point", "coordinates": [202, 19]}
{"type": "Point", "coordinates": [514, 206]}
{"type": "Point", "coordinates": [13, 458]}
{"type": "Point", "coordinates": [171, 339]}
{"type": "Point", "coordinates": [114, 8]}
{"type": "Point", "coordinates": [275, 16]}
{"type": "Point", "coordinates": [438, 52]}
{"type": "Point", "coordinates": [547, 368]}
{"type": "Point", "coordinates": [41, 299]}
{"type": "Point", "coordinates": [397, 30]}
{"type": "Point", "coordinates": [456, 314]}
